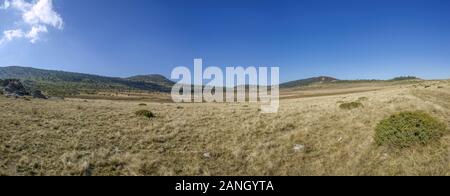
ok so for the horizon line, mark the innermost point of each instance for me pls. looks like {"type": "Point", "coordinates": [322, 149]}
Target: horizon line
{"type": "Point", "coordinates": [147, 74]}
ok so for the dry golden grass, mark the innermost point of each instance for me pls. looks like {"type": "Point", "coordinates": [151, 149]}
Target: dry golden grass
{"type": "Point", "coordinates": [310, 135]}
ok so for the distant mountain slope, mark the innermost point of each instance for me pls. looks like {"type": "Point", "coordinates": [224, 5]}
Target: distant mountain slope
{"type": "Point", "coordinates": [61, 83]}
{"type": "Point", "coordinates": [402, 78]}
{"type": "Point", "coordinates": [308, 81]}
{"type": "Point", "coordinates": [153, 78]}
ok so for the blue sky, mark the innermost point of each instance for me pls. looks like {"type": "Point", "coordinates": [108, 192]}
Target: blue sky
{"type": "Point", "coordinates": [347, 39]}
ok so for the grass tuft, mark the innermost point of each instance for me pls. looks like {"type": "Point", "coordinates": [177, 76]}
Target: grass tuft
{"type": "Point", "coordinates": [363, 99]}
{"type": "Point", "coordinates": [351, 105]}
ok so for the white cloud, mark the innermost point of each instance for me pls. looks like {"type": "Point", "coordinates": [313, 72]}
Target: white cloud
{"type": "Point", "coordinates": [11, 34]}
{"type": "Point", "coordinates": [37, 16]}
{"type": "Point", "coordinates": [33, 34]}
{"type": "Point", "coordinates": [42, 13]}
{"type": "Point", "coordinates": [5, 5]}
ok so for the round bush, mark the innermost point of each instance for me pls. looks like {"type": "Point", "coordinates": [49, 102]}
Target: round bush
{"type": "Point", "coordinates": [407, 129]}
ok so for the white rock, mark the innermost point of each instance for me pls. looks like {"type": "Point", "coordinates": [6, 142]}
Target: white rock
{"type": "Point", "coordinates": [299, 147]}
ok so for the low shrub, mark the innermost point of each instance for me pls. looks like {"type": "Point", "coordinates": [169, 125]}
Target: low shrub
{"type": "Point", "coordinates": [350, 105]}
{"type": "Point", "coordinates": [407, 129]}
{"type": "Point", "coordinates": [145, 113]}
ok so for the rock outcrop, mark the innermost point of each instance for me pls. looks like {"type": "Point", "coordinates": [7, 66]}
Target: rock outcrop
{"type": "Point", "coordinates": [15, 88]}
{"type": "Point", "coordinates": [37, 94]}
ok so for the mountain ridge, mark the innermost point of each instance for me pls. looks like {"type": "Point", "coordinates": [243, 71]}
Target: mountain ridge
{"type": "Point", "coordinates": [63, 83]}
{"type": "Point", "coordinates": [152, 78]}
{"type": "Point", "coordinates": [308, 81]}
{"type": "Point", "coordinates": [72, 83]}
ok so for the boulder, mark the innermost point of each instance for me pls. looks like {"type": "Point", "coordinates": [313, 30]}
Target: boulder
{"type": "Point", "coordinates": [37, 94]}
{"type": "Point", "coordinates": [13, 87]}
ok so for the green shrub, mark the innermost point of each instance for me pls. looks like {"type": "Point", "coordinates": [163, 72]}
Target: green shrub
{"type": "Point", "coordinates": [145, 113]}
{"type": "Point", "coordinates": [350, 105]}
{"type": "Point", "coordinates": [407, 129]}
{"type": "Point", "coordinates": [142, 104]}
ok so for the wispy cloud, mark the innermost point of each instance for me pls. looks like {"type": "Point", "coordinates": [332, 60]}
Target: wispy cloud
{"type": "Point", "coordinates": [5, 5]}
{"type": "Point", "coordinates": [37, 16]}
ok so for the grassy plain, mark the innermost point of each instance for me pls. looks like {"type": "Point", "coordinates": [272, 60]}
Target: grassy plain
{"type": "Point", "coordinates": [311, 134]}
